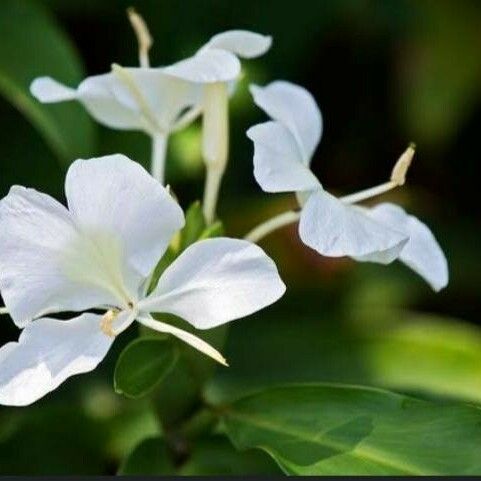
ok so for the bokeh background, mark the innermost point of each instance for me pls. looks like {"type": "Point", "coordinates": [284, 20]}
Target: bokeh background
{"type": "Point", "coordinates": [384, 72]}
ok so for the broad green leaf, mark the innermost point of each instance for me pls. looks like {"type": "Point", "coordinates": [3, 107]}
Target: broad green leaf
{"type": "Point", "coordinates": [142, 365]}
{"type": "Point", "coordinates": [32, 46]}
{"type": "Point", "coordinates": [426, 354]}
{"type": "Point", "coordinates": [194, 225]}
{"type": "Point", "coordinates": [216, 456]}
{"type": "Point", "coordinates": [149, 457]}
{"type": "Point", "coordinates": [349, 430]}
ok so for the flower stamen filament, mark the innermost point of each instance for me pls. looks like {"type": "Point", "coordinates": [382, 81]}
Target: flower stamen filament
{"type": "Point", "coordinates": [185, 336]}
{"type": "Point", "coordinates": [125, 77]}
{"type": "Point", "coordinates": [398, 178]}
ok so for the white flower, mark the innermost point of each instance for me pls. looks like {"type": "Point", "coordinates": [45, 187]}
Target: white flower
{"type": "Point", "coordinates": [128, 98]}
{"type": "Point", "coordinates": [100, 253]}
{"type": "Point", "coordinates": [162, 100]}
{"type": "Point", "coordinates": [283, 149]}
{"type": "Point", "coordinates": [216, 68]}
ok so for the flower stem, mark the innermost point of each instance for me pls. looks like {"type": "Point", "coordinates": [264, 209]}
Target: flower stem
{"type": "Point", "coordinates": [272, 224]}
{"type": "Point", "coordinates": [159, 150]}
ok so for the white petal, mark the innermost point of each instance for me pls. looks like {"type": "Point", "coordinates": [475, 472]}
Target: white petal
{"type": "Point", "coordinates": [46, 354]}
{"type": "Point", "coordinates": [116, 202]}
{"type": "Point", "coordinates": [187, 337]}
{"type": "Point", "coordinates": [48, 90]}
{"type": "Point", "coordinates": [216, 281]}
{"type": "Point", "coordinates": [241, 43]}
{"type": "Point", "coordinates": [208, 66]}
{"type": "Point", "coordinates": [97, 95]}
{"type": "Point", "coordinates": [278, 164]}
{"type": "Point", "coordinates": [166, 96]}
{"type": "Point", "coordinates": [422, 253]}
{"type": "Point", "coordinates": [39, 245]}
{"type": "Point", "coordinates": [294, 107]}
{"type": "Point", "coordinates": [334, 229]}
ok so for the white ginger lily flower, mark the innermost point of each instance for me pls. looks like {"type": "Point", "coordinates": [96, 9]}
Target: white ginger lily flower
{"type": "Point", "coordinates": [131, 98]}
{"type": "Point", "coordinates": [283, 149]}
{"type": "Point", "coordinates": [216, 67]}
{"type": "Point", "coordinates": [100, 254]}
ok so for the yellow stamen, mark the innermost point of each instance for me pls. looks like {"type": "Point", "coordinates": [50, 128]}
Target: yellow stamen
{"type": "Point", "coordinates": [106, 322]}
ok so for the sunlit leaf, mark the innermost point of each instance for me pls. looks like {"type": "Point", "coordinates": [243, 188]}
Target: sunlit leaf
{"type": "Point", "coordinates": [346, 430]}
{"type": "Point", "coordinates": [426, 354]}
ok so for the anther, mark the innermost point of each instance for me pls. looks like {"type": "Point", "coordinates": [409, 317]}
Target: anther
{"type": "Point", "coordinates": [142, 33]}
{"type": "Point", "coordinates": [107, 321]}
{"type": "Point", "coordinates": [398, 174]}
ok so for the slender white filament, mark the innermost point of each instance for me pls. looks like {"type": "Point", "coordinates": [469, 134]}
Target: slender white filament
{"type": "Point", "coordinates": [271, 225]}
{"type": "Point", "coordinates": [185, 336]}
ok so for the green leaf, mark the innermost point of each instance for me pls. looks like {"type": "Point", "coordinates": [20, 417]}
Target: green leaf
{"type": "Point", "coordinates": [142, 365]}
{"type": "Point", "coordinates": [167, 259]}
{"type": "Point", "coordinates": [428, 355]}
{"type": "Point", "coordinates": [32, 46]}
{"type": "Point", "coordinates": [349, 430]}
{"type": "Point", "coordinates": [194, 225]}
{"type": "Point", "coordinates": [216, 456]}
{"type": "Point", "coordinates": [149, 457]}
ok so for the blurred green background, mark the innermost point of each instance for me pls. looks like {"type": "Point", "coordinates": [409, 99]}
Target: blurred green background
{"type": "Point", "coordinates": [384, 72]}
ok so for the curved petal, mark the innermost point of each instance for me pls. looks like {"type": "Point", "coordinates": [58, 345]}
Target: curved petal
{"type": "Point", "coordinates": [422, 253]}
{"type": "Point", "coordinates": [47, 353]}
{"type": "Point", "coordinates": [115, 202]}
{"type": "Point", "coordinates": [216, 281]}
{"type": "Point", "coordinates": [241, 43]}
{"type": "Point", "coordinates": [97, 95]}
{"type": "Point", "coordinates": [278, 165]}
{"type": "Point", "coordinates": [334, 229]}
{"type": "Point", "coordinates": [207, 66]}
{"type": "Point", "coordinates": [48, 90]}
{"type": "Point", "coordinates": [39, 246]}
{"type": "Point", "coordinates": [164, 95]}
{"type": "Point", "coordinates": [294, 107]}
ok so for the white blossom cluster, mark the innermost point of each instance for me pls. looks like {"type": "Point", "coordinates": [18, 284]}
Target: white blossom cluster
{"type": "Point", "coordinates": [97, 256]}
